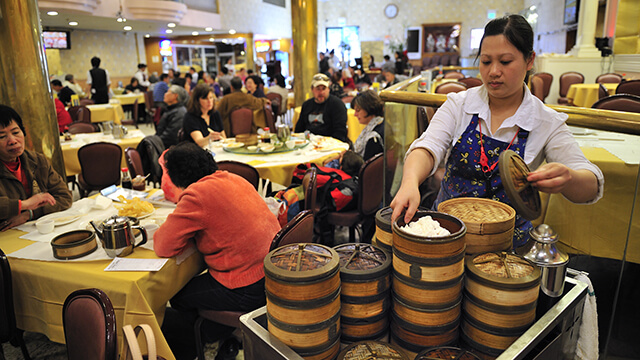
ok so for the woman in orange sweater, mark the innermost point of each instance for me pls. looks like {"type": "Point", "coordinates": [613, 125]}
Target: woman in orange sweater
{"type": "Point", "coordinates": [230, 224]}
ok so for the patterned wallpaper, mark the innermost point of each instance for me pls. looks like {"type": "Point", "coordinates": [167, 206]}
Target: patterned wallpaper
{"type": "Point", "coordinates": [374, 25]}
{"type": "Point", "coordinates": [257, 17]}
{"type": "Point", "coordinates": [117, 51]}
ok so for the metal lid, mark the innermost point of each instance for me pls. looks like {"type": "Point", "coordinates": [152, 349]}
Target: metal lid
{"type": "Point", "coordinates": [115, 221]}
{"type": "Point", "coordinates": [541, 248]}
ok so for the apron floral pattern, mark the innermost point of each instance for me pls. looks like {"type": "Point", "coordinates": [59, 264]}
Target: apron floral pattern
{"type": "Point", "coordinates": [464, 176]}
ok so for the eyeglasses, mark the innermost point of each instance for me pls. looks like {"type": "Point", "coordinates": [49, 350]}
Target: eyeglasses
{"type": "Point", "coordinates": [321, 77]}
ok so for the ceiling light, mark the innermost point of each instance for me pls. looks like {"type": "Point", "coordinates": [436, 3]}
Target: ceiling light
{"type": "Point", "coordinates": [241, 52]}
{"type": "Point", "coordinates": [52, 13]}
{"type": "Point", "coordinates": [169, 31]}
{"type": "Point", "coordinates": [232, 31]}
{"type": "Point", "coordinates": [127, 28]}
{"type": "Point", "coordinates": [120, 16]}
{"type": "Point", "coordinates": [73, 23]}
{"type": "Point", "coordinates": [212, 39]}
{"type": "Point", "coordinates": [147, 36]}
{"type": "Point", "coordinates": [195, 33]}
{"type": "Point", "coordinates": [208, 29]}
{"type": "Point", "coordinates": [171, 25]}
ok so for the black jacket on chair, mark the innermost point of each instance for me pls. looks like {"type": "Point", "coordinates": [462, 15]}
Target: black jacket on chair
{"type": "Point", "coordinates": [150, 149]}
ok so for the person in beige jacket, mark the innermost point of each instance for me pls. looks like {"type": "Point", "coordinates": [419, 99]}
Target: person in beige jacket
{"type": "Point", "coordinates": [238, 99]}
{"type": "Point", "coordinates": [29, 187]}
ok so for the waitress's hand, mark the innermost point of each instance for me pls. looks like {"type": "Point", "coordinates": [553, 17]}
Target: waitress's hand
{"type": "Point", "coordinates": [37, 201]}
{"type": "Point", "coordinates": [408, 197]}
{"type": "Point", "coordinates": [550, 178]}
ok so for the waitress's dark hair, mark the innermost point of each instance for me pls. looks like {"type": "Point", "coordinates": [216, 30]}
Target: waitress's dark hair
{"type": "Point", "coordinates": [187, 163]}
{"type": "Point", "coordinates": [7, 115]}
{"type": "Point", "coordinates": [516, 30]}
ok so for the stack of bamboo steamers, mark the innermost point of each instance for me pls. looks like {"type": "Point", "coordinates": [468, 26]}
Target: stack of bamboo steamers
{"type": "Point", "coordinates": [417, 292]}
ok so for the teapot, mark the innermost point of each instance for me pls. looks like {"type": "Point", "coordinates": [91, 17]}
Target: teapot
{"type": "Point", "coordinates": [119, 131]}
{"type": "Point", "coordinates": [541, 249]}
{"type": "Point", "coordinates": [116, 235]}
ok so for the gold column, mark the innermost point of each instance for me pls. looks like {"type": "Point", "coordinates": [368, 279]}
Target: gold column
{"type": "Point", "coordinates": [304, 24]}
{"type": "Point", "coordinates": [24, 81]}
{"type": "Point", "coordinates": [250, 54]}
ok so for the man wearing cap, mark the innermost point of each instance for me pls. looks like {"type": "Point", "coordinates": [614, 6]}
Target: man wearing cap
{"type": "Point", "coordinates": [142, 76]}
{"type": "Point", "coordinates": [325, 114]}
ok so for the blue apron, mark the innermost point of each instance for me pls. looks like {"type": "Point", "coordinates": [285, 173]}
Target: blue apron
{"type": "Point", "coordinates": [464, 176]}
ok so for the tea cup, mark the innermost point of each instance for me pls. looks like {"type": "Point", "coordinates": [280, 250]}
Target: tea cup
{"type": "Point", "coordinates": [45, 226]}
{"type": "Point", "coordinates": [290, 144]}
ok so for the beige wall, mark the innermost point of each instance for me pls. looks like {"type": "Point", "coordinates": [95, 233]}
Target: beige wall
{"type": "Point", "coordinates": [374, 25]}
{"type": "Point", "coordinates": [257, 17]}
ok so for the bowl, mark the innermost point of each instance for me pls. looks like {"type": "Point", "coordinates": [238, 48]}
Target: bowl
{"type": "Point", "coordinates": [252, 148]}
{"type": "Point", "coordinates": [45, 226]}
{"type": "Point", "coordinates": [267, 148]}
{"type": "Point", "coordinates": [74, 244]}
{"type": "Point", "coordinates": [290, 144]}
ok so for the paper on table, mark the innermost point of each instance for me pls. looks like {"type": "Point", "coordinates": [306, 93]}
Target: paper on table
{"type": "Point", "coordinates": [130, 264]}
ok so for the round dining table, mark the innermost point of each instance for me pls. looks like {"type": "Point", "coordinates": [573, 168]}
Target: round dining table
{"type": "Point", "coordinates": [585, 95]}
{"type": "Point", "coordinates": [278, 167]}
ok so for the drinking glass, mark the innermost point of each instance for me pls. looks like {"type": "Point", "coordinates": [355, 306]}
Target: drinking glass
{"type": "Point", "coordinates": [284, 133]}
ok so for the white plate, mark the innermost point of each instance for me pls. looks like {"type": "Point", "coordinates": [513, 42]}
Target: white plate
{"type": "Point", "coordinates": [64, 217]}
{"type": "Point", "coordinates": [147, 215]}
{"type": "Point", "coordinates": [233, 145]}
{"type": "Point", "coordinates": [581, 131]}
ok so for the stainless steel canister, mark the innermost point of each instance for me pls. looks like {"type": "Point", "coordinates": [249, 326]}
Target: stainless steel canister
{"type": "Point", "coordinates": [542, 251]}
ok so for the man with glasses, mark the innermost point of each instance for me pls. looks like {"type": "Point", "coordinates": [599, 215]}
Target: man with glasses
{"type": "Point", "coordinates": [324, 114]}
{"type": "Point", "coordinates": [171, 121]}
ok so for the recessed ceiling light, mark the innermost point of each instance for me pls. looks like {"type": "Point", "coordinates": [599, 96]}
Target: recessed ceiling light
{"type": "Point", "coordinates": [241, 52]}
{"type": "Point", "coordinates": [212, 39]}
{"type": "Point", "coordinates": [52, 13]}
{"type": "Point", "coordinates": [195, 33]}
{"type": "Point", "coordinates": [232, 31]}
{"type": "Point", "coordinates": [169, 31]}
{"type": "Point", "coordinates": [73, 23]}
{"type": "Point", "coordinates": [127, 28]}
{"type": "Point", "coordinates": [171, 25]}
{"type": "Point", "coordinates": [208, 29]}
{"type": "Point", "coordinates": [147, 36]}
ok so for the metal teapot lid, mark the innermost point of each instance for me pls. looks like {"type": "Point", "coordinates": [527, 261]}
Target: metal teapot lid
{"type": "Point", "coordinates": [541, 248]}
{"type": "Point", "coordinates": [115, 221]}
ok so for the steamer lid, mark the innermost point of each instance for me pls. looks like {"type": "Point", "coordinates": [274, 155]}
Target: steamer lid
{"type": "Point", "coordinates": [372, 350]}
{"type": "Point", "coordinates": [363, 260]}
{"type": "Point", "coordinates": [502, 269]}
{"type": "Point", "coordinates": [301, 262]}
{"type": "Point", "coordinates": [446, 353]}
{"type": "Point", "coordinates": [523, 196]}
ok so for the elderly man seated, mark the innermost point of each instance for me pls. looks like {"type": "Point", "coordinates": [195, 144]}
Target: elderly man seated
{"type": "Point", "coordinates": [171, 121]}
{"type": "Point", "coordinates": [29, 187]}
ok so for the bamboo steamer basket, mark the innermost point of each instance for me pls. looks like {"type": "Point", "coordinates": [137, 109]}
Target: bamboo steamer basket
{"type": "Point", "coordinates": [382, 337]}
{"type": "Point", "coordinates": [247, 139]}
{"type": "Point", "coordinates": [430, 247]}
{"type": "Point", "coordinates": [413, 339]}
{"type": "Point", "coordinates": [429, 269]}
{"type": "Point", "coordinates": [446, 353]}
{"type": "Point", "coordinates": [365, 274]}
{"type": "Point", "coordinates": [372, 350]}
{"type": "Point", "coordinates": [384, 233]}
{"type": "Point", "coordinates": [501, 293]}
{"type": "Point", "coordinates": [427, 316]}
{"type": "Point", "coordinates": [489, 223]}
{"type": "Point", "coordinates": [302, 284]}
{"type": "Point", "coordinates": [427, 293]}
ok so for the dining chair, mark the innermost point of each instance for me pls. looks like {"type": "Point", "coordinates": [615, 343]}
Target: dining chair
{"type": "Point", "coordinates": [619, 102]}
{"type": "Point", "coordinates": [85, 102]}
{"type": "Point", "coordinates": [134, 162]}
{"type": "Point", "coordinates": [449, 87]}
{"type": "Point", "coordinates": [81, 128]}
{"type": "Point", "coordinates": [426, 63]}
{"type": "Point", "coordinates": [454, 75]}
{"type": "Point", "coordinates": [370, 190]}
{"type": "Point", "coordinates": [566, 80]}
{"type": "Point", "coordinates": [100, 166]}
{"type": "Point", "coordinates": [629, 87]}
{"type": "Point", "coordinates": [298, 230]}
{"type": "Point", "coordinates": [241, 121]}
{"type": "Point", "coordinates": [471, 82]}
{"type": "Point", "coordinates": [612, 78]}
{"type": "Point", "coordinates": [454, 60]}
{"type": "Point", "coordinates": [444, 60]}
{"type": "Point", "coordinates": [435, 61]}
{"type": "Point", "coordinates": [9, 332]}
{"type": "Point", "coordinates": [149, 107]}
{"type": "Point", "coordinates": [276, 103]}
{"type": "Point", "coordinates": [89, 322]}
{"type": "Point", "coordinates": [270, 118]}
{"type": "Point", "coordinates": [423, 116]}
{"type": "Point", "coordinates": [541, 85]}
{"type": "Point", "coordinates": [310, 186]}
{"type": "Point", "coordinates": [73, 112]}
{"type": "Point", "coordinates": [83, 115]}
{"type": "Point", "coordinates": [134, 118]}
{"type": "Point", "coordinates": [602, 91]}
{"type": "Point", "coordinates": [246, 171]}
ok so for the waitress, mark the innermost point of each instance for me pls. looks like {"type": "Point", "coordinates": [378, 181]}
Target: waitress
{"type": "Point", "coordinates": [473, 127]}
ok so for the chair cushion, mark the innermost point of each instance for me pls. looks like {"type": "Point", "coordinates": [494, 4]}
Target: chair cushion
{"type": "Point", "coordinates": [347, 218]}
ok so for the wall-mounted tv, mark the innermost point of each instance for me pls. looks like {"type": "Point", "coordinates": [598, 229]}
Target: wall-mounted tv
{"type": "Point", "coordinates": [571, 8]}
{"type": "Point", "coordinates": [56, 39]}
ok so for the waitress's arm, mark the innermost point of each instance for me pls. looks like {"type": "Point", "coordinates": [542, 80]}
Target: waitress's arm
{"type": "Point", "coordinates": [417, 168]}
{"type": "Point", "coordinates": [578, 186]}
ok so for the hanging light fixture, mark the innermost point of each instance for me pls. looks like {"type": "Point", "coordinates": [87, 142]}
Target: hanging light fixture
{"type": "Point", "coordinates": [120, 14]}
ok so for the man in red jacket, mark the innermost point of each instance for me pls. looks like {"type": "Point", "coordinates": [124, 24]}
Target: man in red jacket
{"type": "Point", "coordinates": [230, 224]}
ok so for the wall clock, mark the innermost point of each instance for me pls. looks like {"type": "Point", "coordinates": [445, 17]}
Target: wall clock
{"type": "Point", "coordinates": [391, 11]}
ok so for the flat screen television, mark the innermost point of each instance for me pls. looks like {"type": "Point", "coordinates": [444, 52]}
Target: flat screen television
{"type": "Point", "coordinates": [571, 8]}
{"type": "Point", "coordinates": [56, 39]}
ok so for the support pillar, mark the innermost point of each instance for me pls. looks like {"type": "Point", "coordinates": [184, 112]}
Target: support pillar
{"type": "Point", "coordinates": [587, 21]}
{"type": "Point", "coordinates": [304, 23]}
{"type": "Point", "coordinates": [250, 54]}
{"type": "Point", "coordinates": [24, 81]}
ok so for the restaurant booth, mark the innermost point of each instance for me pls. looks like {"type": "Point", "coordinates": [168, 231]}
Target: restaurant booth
{"type": "Point", "coordinates": [591, 234]}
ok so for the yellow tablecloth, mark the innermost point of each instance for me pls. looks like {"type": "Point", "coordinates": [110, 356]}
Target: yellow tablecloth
{"type": "Point", "coordinates": [585, 95]}
{"type": "Point", "coordinates": [41, 287]}
{"type": "Point", "coordinates": [70, 149]}
{"type": "Point", "coordinates": [106, 112]}
{"type": "Point", "coordinates": [354, 128]}
{"type": "Point", "coordinates": [129, 99]}
{"type": "Point", "coordinates": [600, 229]}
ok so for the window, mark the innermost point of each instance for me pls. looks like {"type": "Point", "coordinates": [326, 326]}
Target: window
{"type": "Point", "coordinates": [345, 42]}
